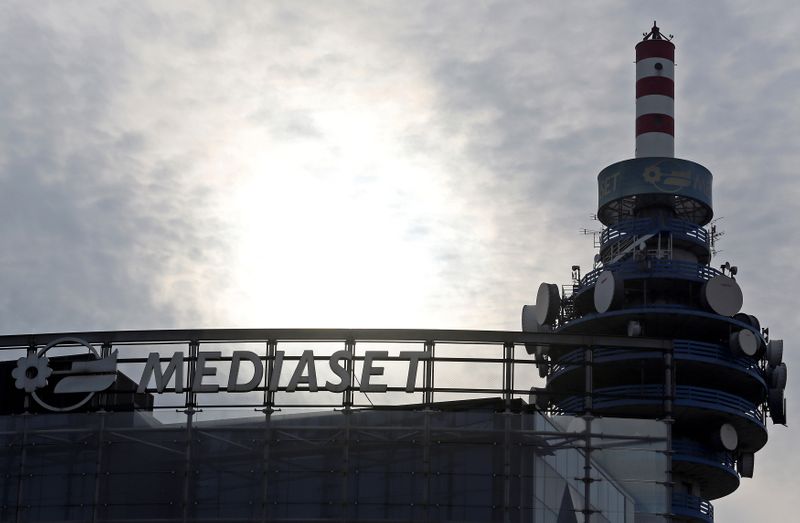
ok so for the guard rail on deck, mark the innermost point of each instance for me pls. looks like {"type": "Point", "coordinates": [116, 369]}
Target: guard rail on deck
{"type": "Point", "coordinates": [684, 350]}
{"type": "Point", "coordinates": [694, 507]}
{"type": "Point", "coordinates": [685, 396]}
{"type": "Point", "coordinates": [642, 226]}
{"type": "Point", "coordinates": [653, 267]}
{"type": "Point", "coordinates": [690, 451]}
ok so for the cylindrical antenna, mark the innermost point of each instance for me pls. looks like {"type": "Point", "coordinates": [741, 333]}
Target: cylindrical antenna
{"type": "Point", "coordinates": [655, 96]}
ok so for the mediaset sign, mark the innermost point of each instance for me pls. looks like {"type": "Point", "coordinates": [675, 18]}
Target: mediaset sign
{"type": "Point", "coordinates": [34, 373]}
{"type": "Point", "coordinates": [672, 176]}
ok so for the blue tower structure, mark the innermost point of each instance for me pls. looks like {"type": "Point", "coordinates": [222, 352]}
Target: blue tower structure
{"type": "Point", "coordinates": [723, 376]}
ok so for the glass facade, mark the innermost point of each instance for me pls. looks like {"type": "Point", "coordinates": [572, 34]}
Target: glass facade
{"type": "Point", "coordinates": [366, 465]}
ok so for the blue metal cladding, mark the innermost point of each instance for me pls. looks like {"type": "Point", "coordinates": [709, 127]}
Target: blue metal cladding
{"type": "Point", "coordinates": [642, 395]}
{"type": "Point", "coordinates": [687, 350]}
{"type": "Point", "coordinates": [692, 452]}
{"type": "Point", "coordinates": [661, 176]}
{"type": "Point", "coordinates": [692, 507]}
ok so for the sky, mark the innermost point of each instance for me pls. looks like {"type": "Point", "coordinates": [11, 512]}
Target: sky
{"type": "Point", "coordinates": [419, 164]}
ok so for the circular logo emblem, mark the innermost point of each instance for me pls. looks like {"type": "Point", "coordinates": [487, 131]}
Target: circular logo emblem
{"type": "Point", "coordinates": [661, 176]}
{"type": "Point", "coordinates": [74, 380]}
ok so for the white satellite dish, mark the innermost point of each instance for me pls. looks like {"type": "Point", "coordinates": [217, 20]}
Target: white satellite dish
{"type": "Point", "coordinates": [607, 291]}
{"type": "Point", "coordinates": [748, 319]}
{"type": "Point", "coordinates": [529, 323]}
{"type": "Point", "coordinates": [744, 342]}
{"type": "Point", "coordinates": [777, 406]}
{"type": "Point", "coordinates": [540, 398]}
{"type": "Point", "coordinates": [548, 303]}
{"type": "Point", "coordinates": [728, 437]}
{"type": "Point", "coordinates": [777, 376]}
{"type": "Point", "coordinates": [634, 329]}
{"type": "Point", "coordinates": [774, 352]}
{"type": "Point", "coordinates": [745, 464]}
{"type": "Point", "coordinates": [723, 295]}
{"type": "Point", "coordinates": [540, 352]}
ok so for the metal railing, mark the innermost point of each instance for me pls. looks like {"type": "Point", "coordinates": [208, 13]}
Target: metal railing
{"type": "Point", "coordinates": [654, 267]}
{"type": "Point", "coordinates": [653, 395]}
{"type": "Point", "coordinates": [693, 507]}
{"type": "Point", "coordinates": [684, 350]}
{"type": "Point", "coordinates": [642, 226]}
{"type": "Point", "coordinates": [442, 369]}
{"type": "Point", "coordinates": [690, 451]}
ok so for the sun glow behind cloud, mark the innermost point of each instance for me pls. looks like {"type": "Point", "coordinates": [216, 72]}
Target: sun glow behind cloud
{"type": "Point", "coordinates": [329, 226]}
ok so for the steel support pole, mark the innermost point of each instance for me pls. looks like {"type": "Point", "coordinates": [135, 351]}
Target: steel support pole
{"type": "Point", "coordinates": [428, 384]}
{"type": "Point", "coordinates": [191, 401]}
{"type": "Point", "coordinates": [350, 367]}
{"type": "Point", "coordinates": [22, 459]}
{"type": "Point", "coordinates": [345, 472]}
{"type": "Point", "coordinates": [587, 452]}
{"type": "Point", "coordinates": [99, 466]}
{"type": "Point", "coordinates": [669, 395]}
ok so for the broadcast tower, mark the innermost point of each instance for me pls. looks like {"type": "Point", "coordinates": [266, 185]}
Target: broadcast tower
{"type": "Point", "coordinates": [653, 278]}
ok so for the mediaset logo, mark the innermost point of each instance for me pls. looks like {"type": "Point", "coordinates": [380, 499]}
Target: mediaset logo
{"type": "Point", "coordinates": [33, 373]}
{"type": "Point", "coordinates": [39, 376]}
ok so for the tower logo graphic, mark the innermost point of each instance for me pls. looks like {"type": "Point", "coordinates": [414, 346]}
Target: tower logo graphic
{"type": "Point", "coordinates": [80, 380]}
{"type": "Point", "coordinates": [665, 179]}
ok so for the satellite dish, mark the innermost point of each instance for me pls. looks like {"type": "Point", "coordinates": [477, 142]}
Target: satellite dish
{"type": "Point", "coordinates": [728, 437]}
{"type": "Point", "coordinates": [745, 464]}
{"type": "Point", "coordinates": [774, 352]}
{"type": "Point", "coordinates": [777, 376]}
{"type": "Point", "coordinates": [548, 303]}
{"type": "Point", "coordinates": [777, 406]}
{"type": "Point", "coordinates": [529, 323]}
{"type": "Point", "coordinates": [540, 351]}
{"type": "Point", "coordinates": [607, 292]}
{"type": "Point", "coordinates": [748, 319]}
{"type": "Point", "coordinates": [634, 329]}
{"type": "Point", "coordinates": [540, 398]}
{"type": "Point", "coordinates": [722, 295]}
{"type": "Point", "coordinates": [744, 342]}
{"type": "Point", "coordinates": [543, 370]}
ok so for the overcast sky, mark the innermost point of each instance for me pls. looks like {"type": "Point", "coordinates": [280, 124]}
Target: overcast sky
{"type": "Point", "coordinates": [373, 164]}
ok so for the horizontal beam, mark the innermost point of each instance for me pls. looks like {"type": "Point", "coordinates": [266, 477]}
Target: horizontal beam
{"type": "Point", "coordinates": [363, 335]}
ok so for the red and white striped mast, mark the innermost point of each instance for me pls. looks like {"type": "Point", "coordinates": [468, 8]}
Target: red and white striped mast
{"type": "Point", "coordinates": [655, 96]}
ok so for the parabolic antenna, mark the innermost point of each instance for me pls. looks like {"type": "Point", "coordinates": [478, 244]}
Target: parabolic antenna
{"type": "Point", "coordinates": [607, 291]}
{"type": "Point", "coordinates": [728, 437]}
{"type": "Point", "coordinates": [529, 323]}
{"type": "Point", "coordinates": [745, 464]}
{"type": "Point", "coordinates": [723, 295]}
{"type": "Point", "coordinates": [548, 303]}
{"type": "Point", "coordinates": [744, 342]}
{"type": "Point", "coordinates": [540, 352]}
{"type": "Point", "coordinates": [777, 376]}
{"type": "Point", "coordinates": [777, 406]}
{"type": "Point", "coordinates": [774, 352]}
{"type": "Point", "coordinates": [748, 319]}
{"type": "Point", "coordinates": [539, 397]}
